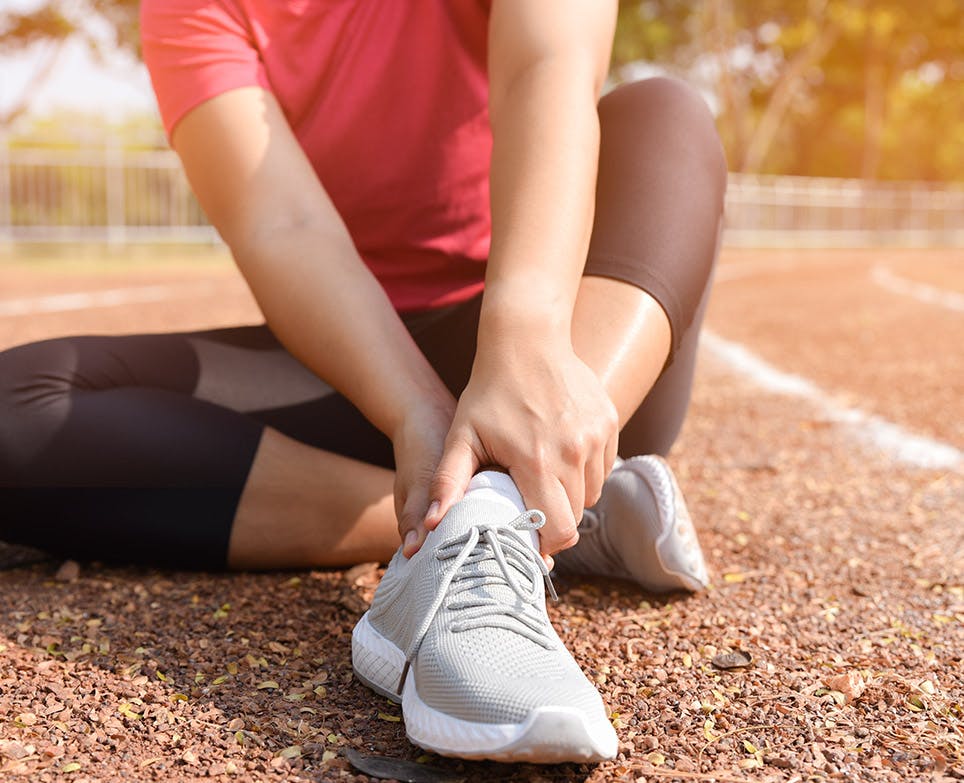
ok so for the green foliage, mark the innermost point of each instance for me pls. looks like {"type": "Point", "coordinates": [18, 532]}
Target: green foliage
{"type": "Point", "coordinates": [871, 88]}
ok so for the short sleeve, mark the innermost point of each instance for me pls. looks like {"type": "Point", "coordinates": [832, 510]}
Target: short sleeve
{"type": "Point", "coordinates": [194, 51]}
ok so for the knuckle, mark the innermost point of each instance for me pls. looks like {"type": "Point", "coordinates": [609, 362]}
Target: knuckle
{"type": "Point", "coordinates": [573, 447]}
{"type": "Point", "coordinates": [538, 459]}
{"type": "Point", "coordinates": [593, 494]}
{"type": "Point", "coordinates": [567, 539]}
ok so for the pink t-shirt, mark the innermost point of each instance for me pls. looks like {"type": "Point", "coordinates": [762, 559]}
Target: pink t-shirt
{"type": "Point", "coordinates": [389, 100]}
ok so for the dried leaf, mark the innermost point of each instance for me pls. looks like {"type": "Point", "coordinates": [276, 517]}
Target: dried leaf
{"type": "Point", "coordinates": [732, 660]}
{"type": "Point", "coordinates": [291, 752]}
{"type": "Point", "coordinates": [127, 711]}
{"type": "Point", "coordinates": [850, 684]}
{"type": "Point", "coordinates": [73, 766]}
{"type": "Point", "coordinates": [391, 718]}
{"type": "Point", "coordinates": [708, 725]}
{"type": "Point", "coordinates": [916, 704]}
{"type": "Point", "coordinates": [68, 572]}
{"type": "Point", "coordinates": [655, 758]}
{"type": "Point", "coordinates": [360, 572]}
{"type": "Point", "coordinates": [268, 685]}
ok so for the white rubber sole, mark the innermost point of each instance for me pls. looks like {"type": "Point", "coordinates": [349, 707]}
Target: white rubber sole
{"type": "Point", "coordinates": [670, 503]}
{"type": "Point", "coordinates": [549, 735]}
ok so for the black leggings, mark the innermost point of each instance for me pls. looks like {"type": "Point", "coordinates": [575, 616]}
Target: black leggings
{"type": "Point", "coordinates": [137, 448]}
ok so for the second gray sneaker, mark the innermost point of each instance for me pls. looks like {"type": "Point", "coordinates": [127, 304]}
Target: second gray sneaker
{"type": "Point", "coordinates": [639, 530]}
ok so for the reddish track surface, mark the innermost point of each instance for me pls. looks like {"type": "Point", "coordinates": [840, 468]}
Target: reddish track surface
{"type": "Point", "coordinates": [830, 560]}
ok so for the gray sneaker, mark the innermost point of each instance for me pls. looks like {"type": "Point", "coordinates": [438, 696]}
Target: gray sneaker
{"type": "Point", "coordinates": [639, 530]}
{"type": "Point", "coordinates": [459, 635]}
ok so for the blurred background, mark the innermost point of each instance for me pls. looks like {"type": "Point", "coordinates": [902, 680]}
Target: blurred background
{"type": "Point", "coordinates": [843, 120]}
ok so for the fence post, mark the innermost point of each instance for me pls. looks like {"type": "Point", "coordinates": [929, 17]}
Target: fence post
{"type": "Point", "coordinates": [114, 176]}
{"type": "Point", "coordinates": [6, 185]}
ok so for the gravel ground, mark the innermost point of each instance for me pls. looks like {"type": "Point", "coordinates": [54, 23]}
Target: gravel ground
{"type": "Point", "coordinates": [837, 572]}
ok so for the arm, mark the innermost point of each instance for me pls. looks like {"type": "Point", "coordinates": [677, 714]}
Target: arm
{"type": "Point", "coordinates": [532, 407]}
{"type": "Point", "coordinates": [259, 190]}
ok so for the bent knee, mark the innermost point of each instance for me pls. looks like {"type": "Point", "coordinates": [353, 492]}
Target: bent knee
{"type": "Point", "coordinates": [667, 107]}
{"type": "Point", "coordinates": [35, 385]}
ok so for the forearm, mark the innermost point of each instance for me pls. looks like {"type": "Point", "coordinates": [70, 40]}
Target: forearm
{"type": "Point", "coordinates": [328, 310]}
{"type": "Point", "coordinates": [546, 141]}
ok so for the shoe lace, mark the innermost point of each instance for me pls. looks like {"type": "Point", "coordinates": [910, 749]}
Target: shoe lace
{"type": "Point", "coordinates": [515, 558]}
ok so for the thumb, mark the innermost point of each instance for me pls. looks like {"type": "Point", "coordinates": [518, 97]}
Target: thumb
{"type": "Point", "coordinates": [452, 476]}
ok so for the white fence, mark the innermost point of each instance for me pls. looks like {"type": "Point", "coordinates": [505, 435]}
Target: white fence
{"type": "Point", "coordinates": [810, 212]}
{"type": "Point", "coordinates": [121, 197]}
{"type": "Point", "coordinates": [106, 195]}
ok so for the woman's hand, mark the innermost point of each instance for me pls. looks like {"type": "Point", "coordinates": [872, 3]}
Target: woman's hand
{"type": "Point", "coordinates": [534, 409]}
{"type": "Point", "coordinates": [418, 442]}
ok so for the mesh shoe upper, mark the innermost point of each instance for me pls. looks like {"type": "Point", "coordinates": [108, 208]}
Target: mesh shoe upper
{"type": "Point", "coordinates": [640, 530]}
{"type": "Point", "coordinates": [469, 612]}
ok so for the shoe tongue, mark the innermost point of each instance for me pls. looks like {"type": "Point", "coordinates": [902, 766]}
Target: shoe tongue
{"type": "Point", "coordinates": [471, 511]}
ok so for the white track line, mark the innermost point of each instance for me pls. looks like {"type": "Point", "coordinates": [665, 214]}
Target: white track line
{"type": "Point", "coordinates": [902, 445]}
{"type": "Point", "coordinates": [111, 297]}
{"type": "Point", "coordinates": [921, 291]}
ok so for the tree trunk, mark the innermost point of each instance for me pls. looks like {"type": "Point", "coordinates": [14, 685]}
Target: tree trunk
{"type": "Point", "coordinates": [29, 90]}
{"type": "Point", "coordinates": [783, 94]}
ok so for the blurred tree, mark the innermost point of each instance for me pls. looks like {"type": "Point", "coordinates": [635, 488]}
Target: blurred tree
{"type": "Point", "coordinates": [51, 23]}
{"type": "Point", "coordinates": [860, 88]}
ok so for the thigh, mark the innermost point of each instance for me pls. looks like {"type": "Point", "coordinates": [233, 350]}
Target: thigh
{"type": "Point", "coordinates": [249, 371]}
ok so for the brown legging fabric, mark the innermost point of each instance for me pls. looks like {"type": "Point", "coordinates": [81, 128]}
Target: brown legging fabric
{"type": "Point", "coordinates": [136, 448]}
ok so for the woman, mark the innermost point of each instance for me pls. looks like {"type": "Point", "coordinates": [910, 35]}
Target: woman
{"type": "Point", "coordinates": [373, 167]}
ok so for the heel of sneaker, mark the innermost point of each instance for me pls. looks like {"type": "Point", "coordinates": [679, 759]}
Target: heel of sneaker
{"type": "Point", "coordinates": [677, 547]}
{"type": "Point", "coordinates": [376, 661]}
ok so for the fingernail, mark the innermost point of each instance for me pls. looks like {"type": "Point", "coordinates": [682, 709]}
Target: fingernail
{"type": "Point", "coordinates": [433, 510]}
{"type": "Point", "coordinates": [411, 539]}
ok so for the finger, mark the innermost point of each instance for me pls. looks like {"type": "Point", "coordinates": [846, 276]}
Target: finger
{"type": "Point", "coordinates": [451, 479]}
{"type": "Point", "coordinates": [411, 521]}
{"type": "Point", "coordinates": [545, 492]}
{"type": "Point", "coordinates": [595, 475]}
{"type": "Point", "coordinates": [612, 451]}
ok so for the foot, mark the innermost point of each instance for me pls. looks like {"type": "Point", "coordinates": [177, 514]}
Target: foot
{"type": "Point", "coordinates": [459, 635]}
{"type": "Point", "coordinates": [640, 530]}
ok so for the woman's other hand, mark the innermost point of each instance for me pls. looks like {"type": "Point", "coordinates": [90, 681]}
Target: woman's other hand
{"type": "Point", "coordinates": [419, 442]}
